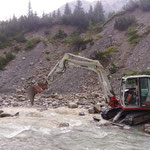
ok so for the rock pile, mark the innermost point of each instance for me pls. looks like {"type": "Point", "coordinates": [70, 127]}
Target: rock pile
{"type": "Point", "coordinates": [92, 101]}
{"type": "Point", "coordinates": [146, 128]}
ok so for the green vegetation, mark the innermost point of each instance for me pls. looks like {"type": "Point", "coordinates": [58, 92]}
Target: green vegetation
{"type": "Point", "coordinates": [132, 35]}
{"type": "Point", "coordinates": [88, 39]}
{"type": "Point", "coordinates": [105, 54]}
{"type": "Point", "coordinates": [123, 22]}
{"type": "Point", "coordinates": [76, 41]}
{"type": "Point", "coordinates": [4, 60]}
{"type": "Point", "coordinates": [5, 42]}
{"type": "Point", "coordinates": [15, 28]}
{"type": "Point", "coordinates": [144, 72]}
{"type": "Point", "coordinates": [130, 73]}
{"type": "Point", "coordinates": [48, 58]}
{"type": "Point", "coordinates": [32, 43]}
{"type": "Point", "coordinates": [47, 52]}
{"type": "Point", "coordinates": [99, 36]}
{"type": "Point", "coordinates": [113, 68]}
{"type": "Point", "coordinates": [96, 28]}
{"type": "Point", "coordinates": [19, 37]}
{"type": "Point", "coordinates": [16, 49]}
{"type": "Point", "coordinates": [60, 34]}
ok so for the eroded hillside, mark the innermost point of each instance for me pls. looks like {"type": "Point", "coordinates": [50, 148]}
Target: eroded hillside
{"type": "Point", "coordinates": [30, 66]}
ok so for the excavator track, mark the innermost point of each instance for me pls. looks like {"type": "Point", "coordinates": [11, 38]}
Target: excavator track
{"type": "Point", "coordinates": [126, 117]}
{"type": "Point", "coordinates": [135, 118]}
{"type": "Point", "coordinates": [110, 113]}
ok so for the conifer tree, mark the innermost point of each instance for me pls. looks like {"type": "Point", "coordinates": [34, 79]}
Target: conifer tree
{"type": "Point", "coordinates": [67, 10]}
{"type": "Point", "coordinates": [90, 14]}
{"type": "Point", "coordinates": [98, 13]}
{"type": "Point", "coordinates": [79, 17]}
{"type": "Point", "coordinates": [58, 13]}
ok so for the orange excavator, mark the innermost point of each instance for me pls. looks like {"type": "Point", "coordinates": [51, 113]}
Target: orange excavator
{"type": "Point", "coordinates": [132, 108]}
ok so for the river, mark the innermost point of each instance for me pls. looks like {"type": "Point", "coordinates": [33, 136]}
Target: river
{"type": "Point", "coordinates": [35, 130]}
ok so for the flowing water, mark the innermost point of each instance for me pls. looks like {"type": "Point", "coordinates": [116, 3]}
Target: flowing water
{"type": "Point", "coordinates": [34, 130]}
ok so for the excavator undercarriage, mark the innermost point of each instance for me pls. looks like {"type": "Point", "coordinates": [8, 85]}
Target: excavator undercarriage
{"type": "Point", "coordinates": [128, 117]}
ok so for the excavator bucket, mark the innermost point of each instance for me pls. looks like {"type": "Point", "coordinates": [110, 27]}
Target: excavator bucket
{"type": "Point", "coordinates": [31, 91]}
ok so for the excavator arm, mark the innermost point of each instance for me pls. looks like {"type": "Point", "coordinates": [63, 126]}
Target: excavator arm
{"type": "Point", "coordinates": [77, 61]}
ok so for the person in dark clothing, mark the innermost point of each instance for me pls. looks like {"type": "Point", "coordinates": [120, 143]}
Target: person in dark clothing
{"type": "Point", "coordinates": [131, 96]}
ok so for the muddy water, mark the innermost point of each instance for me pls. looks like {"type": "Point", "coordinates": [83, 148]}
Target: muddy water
{"type": "Point", "coordinates": [34, 130]}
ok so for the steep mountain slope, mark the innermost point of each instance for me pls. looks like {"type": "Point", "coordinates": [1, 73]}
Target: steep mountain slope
{"type": "Point", "coordinates": [31, 66]}
{"type": "Point", "coordinates": [129, 58]}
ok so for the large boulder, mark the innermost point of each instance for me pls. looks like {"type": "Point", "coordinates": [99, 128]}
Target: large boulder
{"type": "Point", "coordinates": [72, 105]}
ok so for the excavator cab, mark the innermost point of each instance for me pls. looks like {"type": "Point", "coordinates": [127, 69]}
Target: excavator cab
{"type": "Point", "coordinates": [135, 92]}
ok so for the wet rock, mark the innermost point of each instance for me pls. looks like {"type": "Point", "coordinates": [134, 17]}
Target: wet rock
{"type": "Point", "coordinates": [63, 124]}
{"type": "Point", "coordinates": [23, 58]}
{"type": "Point", "coordinates": [72, 105]}
{"type": "Point", "coordinates": [96, 118]}
{"type": "Point", "coordinates": [81, 114]}
{"type": "Point", "coordinates": [146, 128]}
{"type": "Point", "coordinates": [54, 104]}
{"type": "Point", "coordinates": [1, 111]}
{"type": "Point", "coordinates": [18, 91]}
{"type": "Point", "coordinates": [91, 110]}
{"type": "Point", "coordinates": [59, 97]}
{"type": "Point", "coordinates": [97, 108]}
{"type": "Point", "coordinates": [54, 95]}
{"type": "Point", "coordinates": [15, 104]}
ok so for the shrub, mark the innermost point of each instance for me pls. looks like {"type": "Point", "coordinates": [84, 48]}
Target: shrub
{"type": "Point", "coordinates": [88, 40]}
{"type": "Point", "coordinates": [47, 58]}
{"type": "Point", "coordinates": [16, 49]}
{"type": "Point", "coordinates": [133, 36]}
{"type": "Point", "coordinates": [4, 60]}
{"type": "Point", "coordinates": [122, 23]}
{"type": "Point", "coordinates": [77, 41]}
{"type": "Point", "coordinates": [103, 55]}
{"type": "Point", "coordinates": [9, 56]}
{"type": "Point", "coordinates": [145, 5]}
{"type": "Point", "coordinates": [109, 50]}
{"type": "Point", "coordinates": [113, 68]}
{"type": "Point", "coordinates": [32, 43]}
{"type": "Point", "coordinates": [47, 52]}
{"type": "Point", "coordinates": [133, 73]}
{"type": "Point", "coordinates": [20, 37]}
{"type": "Point", "coordinates": [99, 36]}
{"type": "Point", "coordinates": [60, 34]}
{"type": "Point", "coordinates": [6, 43]}
{"type": "Point", "coordinates": [96, 28]}
{"type": "Point", "coordinates": [66, 40]}
{"type": "Point", "coordinates": [145, 72]}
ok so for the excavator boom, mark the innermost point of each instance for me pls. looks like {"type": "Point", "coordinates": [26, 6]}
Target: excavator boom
{"type": "Point", "coordinates": [77, 61]}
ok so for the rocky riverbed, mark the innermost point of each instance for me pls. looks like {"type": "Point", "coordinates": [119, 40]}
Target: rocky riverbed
{"type": "Point", "coordinates": [63, 129]}
{"type": "Point", "coordinates": [92, 102]}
